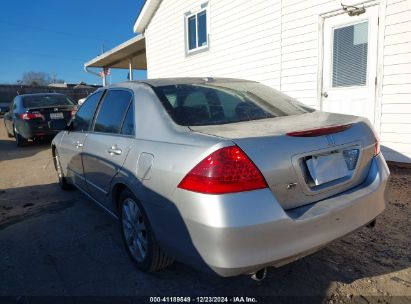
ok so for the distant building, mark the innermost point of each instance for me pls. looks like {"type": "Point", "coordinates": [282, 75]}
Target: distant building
{"type": "Point", "coordinates": [80, 85]}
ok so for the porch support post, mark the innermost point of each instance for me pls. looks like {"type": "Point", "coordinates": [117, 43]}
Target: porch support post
{"type": "Point", "coordinates": [130, 70]}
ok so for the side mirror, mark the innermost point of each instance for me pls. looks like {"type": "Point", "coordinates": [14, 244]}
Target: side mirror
{"type": "Point", "coordinates": [58, 124]}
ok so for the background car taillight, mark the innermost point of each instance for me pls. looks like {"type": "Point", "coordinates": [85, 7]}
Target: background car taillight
{"type": "Point", "coordinates": [32, 115]}
{"type": "Point", "coordinates": [226, 170]}
{"type": "Point", "coordinates": [74, 111]}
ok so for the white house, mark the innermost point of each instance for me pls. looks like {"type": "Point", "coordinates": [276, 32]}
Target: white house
{"type": "Point", "coordinates": [352, 58]}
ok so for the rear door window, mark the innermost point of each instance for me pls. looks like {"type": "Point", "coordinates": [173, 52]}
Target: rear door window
{"type": "Point", "coordinates": [85, 114]}
{"type": "Point", "coordinates": [112, 111]}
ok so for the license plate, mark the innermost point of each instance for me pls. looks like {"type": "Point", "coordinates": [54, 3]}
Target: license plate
{"type": "Point", "coordinates": [56, 115]}
{"type": "Point", "coordinates": [326, 168]}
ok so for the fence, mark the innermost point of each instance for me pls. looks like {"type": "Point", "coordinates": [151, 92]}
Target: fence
{"type": "Point", "coordinates": [8, 92]}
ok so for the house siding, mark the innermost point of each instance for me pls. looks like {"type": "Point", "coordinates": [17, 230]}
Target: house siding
{"type": "Point", "coordinates": [395, 122]}
{"type": "Point", "coordinates": [250, 29]}
{"type": "Point", "coordinates": [300, 53]}
{"type": "Point", "coordinates": [277, 42]}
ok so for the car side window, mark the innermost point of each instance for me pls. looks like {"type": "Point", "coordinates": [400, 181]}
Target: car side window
{"type": "Point", "coordinates": [112, 111]}
{"type": "Point", "coordinates": [85, 114]}
{"type": "Point", "coordinates": [128, 124]}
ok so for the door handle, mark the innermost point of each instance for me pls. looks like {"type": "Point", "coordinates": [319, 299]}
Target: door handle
{"type": "Point", "coordinates": [325, 94]}
{"type": "Point", "coordinates": [114, 151]}
{"type": "Point", "coordinates": [78, 144]}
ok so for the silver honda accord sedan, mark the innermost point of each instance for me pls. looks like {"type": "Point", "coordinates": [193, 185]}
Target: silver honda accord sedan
{"type": "Point", "coordinates": [226, 175]}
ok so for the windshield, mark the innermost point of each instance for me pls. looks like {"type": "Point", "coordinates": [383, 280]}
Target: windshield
{"type": "Point", "coordinates": [225, 102]}
{"type": "Point", "coordinates": [36, 101]}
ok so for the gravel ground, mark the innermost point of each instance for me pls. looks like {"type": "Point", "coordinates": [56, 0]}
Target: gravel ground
{"type": "Point", "coordinates": [55, 243]}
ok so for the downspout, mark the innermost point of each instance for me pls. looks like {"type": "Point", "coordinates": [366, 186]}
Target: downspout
{"type": "Point", "coordinates": [86, 69]}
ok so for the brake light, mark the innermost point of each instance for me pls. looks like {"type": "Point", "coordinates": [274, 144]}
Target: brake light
{"type": "Point", "coordinates": [377, 147]}
{"type": "Point", "coordinates": [226, 170]}
{"type": "Point", "coordinates": [319, 131]}
{"type": "Point", "coordinates": [74, 111]}
{"type": "Point", "coordinates": [32, 115]}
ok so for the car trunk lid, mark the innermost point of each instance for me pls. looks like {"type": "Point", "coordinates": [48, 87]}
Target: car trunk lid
{"type": "Point", "coordinates": [304, 157]}
{"type": "Point", "coordinates": [54, 112]}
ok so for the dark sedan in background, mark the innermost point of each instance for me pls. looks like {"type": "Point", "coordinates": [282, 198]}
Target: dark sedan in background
{"type": "Point", "coordinates": [4, 108]}
{"type": "Point", "coordinates": [30, 114]}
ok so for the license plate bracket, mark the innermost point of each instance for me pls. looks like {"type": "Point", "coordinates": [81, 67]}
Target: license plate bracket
{"type": "Point", "coordinates": [327, 167]}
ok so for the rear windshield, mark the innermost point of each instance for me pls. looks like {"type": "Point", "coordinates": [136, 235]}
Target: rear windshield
{"type": "Point", "coordinates": [46, 101]}
{"type": "Point", "coordinates": [225, 102]}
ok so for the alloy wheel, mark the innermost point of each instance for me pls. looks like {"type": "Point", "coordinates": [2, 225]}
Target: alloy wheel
{"type": "Point", "coordinates": [134, 229]}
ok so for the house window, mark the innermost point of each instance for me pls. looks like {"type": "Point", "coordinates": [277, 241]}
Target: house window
{"type": "Point", "coordinates": [197, 35]}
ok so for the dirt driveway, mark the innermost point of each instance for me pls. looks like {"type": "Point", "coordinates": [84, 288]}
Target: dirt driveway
{"type": "Point", "coordinates": [60, 244]}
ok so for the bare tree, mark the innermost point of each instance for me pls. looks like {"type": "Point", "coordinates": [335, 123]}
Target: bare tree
{"type": "Point", "coordinates": [54, 78]}
{"type": "Point", "coordinates": [39, 79]}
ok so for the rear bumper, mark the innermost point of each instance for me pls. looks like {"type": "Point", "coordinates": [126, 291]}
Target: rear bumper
{"type": "Point", "coordinates": [241, 233]}
{"type": "Point", "coordinates": [29, 130]}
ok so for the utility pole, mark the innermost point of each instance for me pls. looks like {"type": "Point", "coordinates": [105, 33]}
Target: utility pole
{"type": "Point", "coordinates": [53, 77]}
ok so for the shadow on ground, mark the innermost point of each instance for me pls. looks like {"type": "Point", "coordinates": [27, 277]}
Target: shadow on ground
{"type": "Point", "coordinates": [64, 245]}
{"type": "Point", "coordinates": [9, 150]}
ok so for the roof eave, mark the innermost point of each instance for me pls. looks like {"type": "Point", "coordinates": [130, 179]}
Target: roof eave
{"type": "Point", "coordinates": [146, 14]}
{"type": "Point", "coordinates": [132, 48]}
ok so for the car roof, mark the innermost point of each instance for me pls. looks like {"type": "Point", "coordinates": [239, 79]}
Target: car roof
{"type": "Point", "coordinates": [176, 81]}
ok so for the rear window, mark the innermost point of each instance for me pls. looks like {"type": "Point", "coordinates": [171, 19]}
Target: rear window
{"type": "Point", "coordinates": [225, 102]}
{"type": "Point", "coordinates": [46, 101]}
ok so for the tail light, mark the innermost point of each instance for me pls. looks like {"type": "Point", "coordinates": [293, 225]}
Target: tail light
{"type": "Point", "coordinates": [31, 115]}
{"type": "Point", "coordinates": [74, 111]}
{"type": "Point", "coordinates": [226, 170]}
{"type": "Point", "coordinates": [377, 148]}
{"type": "Point", "coordinates": [320, 131]}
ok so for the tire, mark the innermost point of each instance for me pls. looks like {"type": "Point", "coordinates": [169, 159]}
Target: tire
{"type": "Point", "coordinates": [64, 185]}
{"type": "Point", "coordinates": [20, 140]}
{"type": "Point", "coordinates": [138, 236]}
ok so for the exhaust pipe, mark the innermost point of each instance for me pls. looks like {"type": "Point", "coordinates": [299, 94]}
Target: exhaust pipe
{"type": "Point", "coordinates": [259, 275]}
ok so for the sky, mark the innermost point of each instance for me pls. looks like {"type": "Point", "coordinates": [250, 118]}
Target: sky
{"type": "Point", "coordinates": [59, 36]}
